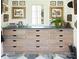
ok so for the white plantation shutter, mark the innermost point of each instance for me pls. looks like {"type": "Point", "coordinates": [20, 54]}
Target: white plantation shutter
{"type": "Point", "coordinates": [36, 14]}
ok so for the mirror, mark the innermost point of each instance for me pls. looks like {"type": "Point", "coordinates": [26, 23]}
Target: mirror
{"type": "Point", "coordinates": [37, 14]}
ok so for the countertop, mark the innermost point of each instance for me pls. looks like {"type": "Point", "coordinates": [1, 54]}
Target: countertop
{"type": "Point", "coordinates": [34, 27]}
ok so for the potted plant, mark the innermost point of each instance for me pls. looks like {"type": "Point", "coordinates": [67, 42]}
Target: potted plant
{"type": "Point", "coordinates": [58, 22]}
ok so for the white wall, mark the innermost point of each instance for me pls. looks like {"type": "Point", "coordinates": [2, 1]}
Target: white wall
{"type": "Point", "coordinates": [46, 5]}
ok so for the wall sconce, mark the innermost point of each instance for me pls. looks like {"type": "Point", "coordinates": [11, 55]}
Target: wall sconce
{"type": "Point", "coordinates": [70, 4]}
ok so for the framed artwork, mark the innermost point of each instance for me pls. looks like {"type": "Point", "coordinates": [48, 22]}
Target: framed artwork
{"type": "Point", "coordinates": [53, 3]}
{"type": "Point", "coordinates": [5, 17]}
{"type": "Point", "coordinates": [18, 12]}
{"type": "Point", "coordinates": [59, 3]}
{"type": "Point", "coordinates": [5, 8]}
{"type": "Point", "coordinates": [69, 17]}
{"type": "Point", "coordinates": [22, 3]}
{"type": "Point", "coordinates": [56, 12]}
{"type": "Point", "coordinates": [14, 3]}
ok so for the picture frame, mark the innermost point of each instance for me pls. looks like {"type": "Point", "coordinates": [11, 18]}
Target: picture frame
{"type": "Point", "coordinates": [5, 2]}
{"type": "Point", "coordinates": [52, 3]}
{"type": "Point", "coordinates": [69, 17]}
{"type": "Point", "coordinates": [56, 12]}
{"type": "Point", "coordinates": [14, 3]}
{"type": "Point", "coordinates": [59, 3]}
{"type": "Point", "coordinates": [22, 3]}
{"type": "Point", "coordinates": [5, 9]}
{"type": "Point", "coordinates": [5, 17]}
{"type": "Point", "coordinates": [18, 12]}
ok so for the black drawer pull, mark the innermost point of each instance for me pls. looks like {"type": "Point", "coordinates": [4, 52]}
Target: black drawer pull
{"type": "Point", "coordinates": [61, 30]}
{"type": "Point", "coordinates": [61, 35]}
{"type": "Point", "coordinates": [14, 40]}
{"type": "Point", "coordinates": [37, 46]}
{"type": "Point", "coordinates": [61, 46]}
{"type": "Point", "coordinates": [61, 40]}
{"type": "Point", "coordinates": [37, 35]}
{"type": "Point", "coordinates": [14, 30]}
{"type": "Point", "coordinates": [37, 40]}
{"type": "Point", "coordinates": [37, 30]}
{"type": "Point", "coordinates": [14, 46]}
{"type": "Point", "coordinates": [14, 35]}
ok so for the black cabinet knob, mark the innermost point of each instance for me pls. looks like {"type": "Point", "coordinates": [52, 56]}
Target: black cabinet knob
{"type": "Point", "coordinates": [61, 35]}
{"type": "Point", "coordinates": [14, 35]}
{"type": "Point", "coordinates": [37, 35]}
{"type": "Point", "coordinates": [37, 30]}
{"type": "Point", "coordinates": [60, 40]}
{"type": "Point", "coordinates": [14, 46]}
{"type": "Point", "coordinates": [61, 46]}
{"type": "Point", "coordinates": [37, 46]}
{"type": "Point", "coordinates": [61, 30]}
{"type": "Point", "coordinates": [14, 30]}
{"type": "Point", "coordinates": [37, 40]}
{"type": "Point", "coordinates": [14, 40]}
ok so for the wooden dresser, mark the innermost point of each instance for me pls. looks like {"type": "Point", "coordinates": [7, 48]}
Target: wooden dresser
{"type": "Point", "coordinates": [37, 40]}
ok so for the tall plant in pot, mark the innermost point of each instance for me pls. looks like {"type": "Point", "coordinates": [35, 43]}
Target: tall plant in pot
{"type": "Point", "coordinates": [58, 22]}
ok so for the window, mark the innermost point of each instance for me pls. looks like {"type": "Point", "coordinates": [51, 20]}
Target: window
{"type": "Point", "coordinates": [36, 14]}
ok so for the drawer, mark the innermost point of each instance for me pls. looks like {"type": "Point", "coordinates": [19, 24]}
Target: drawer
{"type": "Point", "coordinates": [38, 36]}
{"type": "Point", "coordinates": [13, 48]}
{"type": "Point", "coordinates": [60, 41]}
{"type": "Point", "coordinates": [37, 48]}
{"type": "Point", "coordinates": [54, 36]}
{"type": "Point", "coordinates": [14, 32]}
{"type": "Point", "coordinates": [11, 42]}
{"type": "Point", "coordinates": [35, 44]}
{"type": "Point", "coordinates": [59, 48]}
{"type": "Point", "coordinates": [14, 36]}
{"type": "Point", "coordinates": [61, 31]}
{"type": "Point", "coordinates": [37, 40]}
{"type": "Point", "coordinates": [38, 31]}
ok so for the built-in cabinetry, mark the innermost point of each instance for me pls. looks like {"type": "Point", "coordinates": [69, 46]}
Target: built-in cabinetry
{"type": "Point", "coordinates": [37, 40]}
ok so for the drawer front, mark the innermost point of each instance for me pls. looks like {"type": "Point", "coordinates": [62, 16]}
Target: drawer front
{"type": "Point", "coordinates": [14, 42]}
{"type": "Point", "coordinates": [59, 48]}
{"type": "Point", "coordinates": [61, 36]}
{"type": "Point", "coordinates": [34, 49]}
{"type": "Point", "coordinates": [13, 48]}
{"type": "Point", "coordinates": [64, 42]}
{"type": "Point", "coordinates": [14, 32]}
{"type": "Point", "coordinates": [37, 41]}
{"type": "Point", "coordinates": [38, 36]}
{"type": "Point", "coordinates": [38, 30]}
{"type": "Point", "coordinates": [14, 36]}
{"type": "Point", "coordinates": [37, 47]}
{"type": "Point", "coordinates": [61, 31]}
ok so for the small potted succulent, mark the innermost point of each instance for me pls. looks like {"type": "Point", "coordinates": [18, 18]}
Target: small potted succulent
{"type": "Point", "coordinates": [58, 22]}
